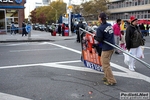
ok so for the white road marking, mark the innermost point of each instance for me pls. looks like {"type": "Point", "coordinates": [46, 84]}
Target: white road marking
{"type": "Point", "coordinates": [4, 96]}
{"type": "Point", "coordinates": [35, 50]}
{"type": "Point", "coordinates": [15, 44]}
{"type": "Point", "coordinates": [29, 65]}
{"type": "Point", "coordinates": [129, 73]}
{"type": "Point", "coordinates": [70, 49]}
{"type": "Point", "coordinates": [126, 73]}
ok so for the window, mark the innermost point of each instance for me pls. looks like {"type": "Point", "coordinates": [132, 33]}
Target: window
{"type": "Point", "coordinates": [142, 2]}
{"type": "Point", "coordinates": [2, 21]}
{"type": "Point", "coordinates": [146, 1]}
{"type": "Point", "coordinates": [135, 3]}
{"type": "Point", "coordinates": [139, 2]}
{"type": "Point", "coordinates": [138, 16]}
{"type": "Point", "coordinates": [145, 16]}
{"type": "Point", "coordinates": [149, 15]}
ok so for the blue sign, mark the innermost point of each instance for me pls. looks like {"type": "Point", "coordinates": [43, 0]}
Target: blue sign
{"type": "Point", "coordinates": [92, 65]}
{"type": "Point", "coordinates": [18, 1]}
{"type": "Point", "coordinates": [28, 28]}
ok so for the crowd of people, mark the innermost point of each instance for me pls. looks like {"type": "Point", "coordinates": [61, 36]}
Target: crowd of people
{"type": "Point", "coordinates": [130, 40]}
{"type": "Point", "coordinates": [14, 29]}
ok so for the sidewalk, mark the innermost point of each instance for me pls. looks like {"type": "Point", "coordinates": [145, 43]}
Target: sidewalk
{"type": "Point", "coordinates": [36, 36]}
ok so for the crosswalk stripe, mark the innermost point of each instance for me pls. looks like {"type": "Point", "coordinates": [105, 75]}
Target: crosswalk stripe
{"type": "Point", "coordinates": [4, 96]}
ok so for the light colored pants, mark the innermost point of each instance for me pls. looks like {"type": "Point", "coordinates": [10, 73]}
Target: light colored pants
{"type": "Point", "coordinates": [117, 39]}
{"type": "Point", "coordinates": [105, 60]}
{"type": "Point", "coordinates": [137, 52]}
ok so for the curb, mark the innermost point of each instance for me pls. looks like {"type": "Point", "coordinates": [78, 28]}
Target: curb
{"type": "Point", "coordinates": [26, 41]}
{"type": "Point", "coordinates": [35, 40]}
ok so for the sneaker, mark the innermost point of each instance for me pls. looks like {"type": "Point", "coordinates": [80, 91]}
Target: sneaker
{"type": "Point", "coordinates": [104, 79]}
{"type": "Point", "coordinates": [109, 84]}
{"type": "Point", "coordinates": [132, 69]}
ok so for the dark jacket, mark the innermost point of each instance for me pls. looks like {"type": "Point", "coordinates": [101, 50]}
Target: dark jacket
{"type": "Point", "coordinates": [105, 33]}
{"type": "Point", "coordinates": [59, 28]}
{"type": "Point", "coordinates": [24, 28]}
{"type": "Point", "coordinates": [80, 25]}
{"type": "Point", "coordinates": [133, 37]}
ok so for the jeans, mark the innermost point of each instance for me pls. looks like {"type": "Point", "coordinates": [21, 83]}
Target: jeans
{"type": "Point", "coordinates": [117, 39]}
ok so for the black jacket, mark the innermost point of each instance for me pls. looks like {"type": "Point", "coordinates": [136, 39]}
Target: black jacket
{"type": "Point", "coordinates": [80, 25]}
{"type": "Point", "coordinates": [133, 37]}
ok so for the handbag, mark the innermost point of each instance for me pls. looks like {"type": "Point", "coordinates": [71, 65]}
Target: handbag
{"type": "Point", "coordinates": [127, 58]}
{"type": "Point", "coordinates": [140, 53]}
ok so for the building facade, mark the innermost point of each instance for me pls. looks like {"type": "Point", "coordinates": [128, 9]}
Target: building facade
{"type": "Point", "coordinates": [46, 2]}
{"type": "Point", "coordinates": [58, 0]}
{"type": "Point", "coordinates": [11, 11]}
{"type": "Point", "coordinates": [123, 9]}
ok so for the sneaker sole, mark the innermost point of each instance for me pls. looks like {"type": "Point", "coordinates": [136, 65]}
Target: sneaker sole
{"type": "Point", "coordinates": [109, 84]}
{"type": "Point", "coordinates": [104, 79]}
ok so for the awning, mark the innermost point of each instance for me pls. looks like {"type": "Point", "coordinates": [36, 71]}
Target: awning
{"type": "Point", "coordinates": [144, 21]}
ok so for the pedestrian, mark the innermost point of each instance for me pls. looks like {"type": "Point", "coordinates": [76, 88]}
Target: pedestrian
{"type": "Point", "coordinates": [94, 27]}
{"type": "Point", "coordinates": [89, 27]}
{"type": "Point", "coordinates": [80, 25]}
{"type": "Point", "coordinates": [117, 33]}
{"type": "Point", "coordinates": [13, 28]}
{"type": "Point", "coordinates": [147, 29]}
{"type": "Point", "coordinates": [75, 25]}
{"type": "Point", "coordinates": [142, 28]}
{"type": "Point", "coordinates": [122, 41]}
{"type": "Point", "coordinates": [63, 29]}
{"type": "Point", "coordinates": [105, 33]}
{"type": "Point", "coordinates": [53, 29]}
{"type": "Point", "coordinates": [133, 40]}
{"type": "Point", "coordinates": [59, 29]}
{"type": "Point", "coordinates": [24, 29]}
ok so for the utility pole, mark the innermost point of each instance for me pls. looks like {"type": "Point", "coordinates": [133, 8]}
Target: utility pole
{"type": "Point", "coordinates": [70, 18]}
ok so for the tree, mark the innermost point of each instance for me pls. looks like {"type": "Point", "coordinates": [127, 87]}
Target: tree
{"type": "Point", "coordinates": [49, 13]}
{"type": "Point", "coordinates": [92, 8]}
{"type": "Point", "coordinates": [42, 18]}
{"type": "Point", "coordinates": [76, 9]}
{"type": "Point", "coordinates": [56, 7]}
{"type": "Point", "coordinates": [33, 16]}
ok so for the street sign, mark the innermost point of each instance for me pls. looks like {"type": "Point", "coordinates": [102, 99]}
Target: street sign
{"type": "Point", "coordinates": [70, 7]}
{"type": "Point", "coordinates": [28, 28]}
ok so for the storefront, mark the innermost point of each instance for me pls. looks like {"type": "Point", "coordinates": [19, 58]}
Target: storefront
{"type": "Point", "coordinates": [11, 11]}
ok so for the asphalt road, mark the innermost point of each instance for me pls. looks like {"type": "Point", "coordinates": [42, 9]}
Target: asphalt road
{"type": "Point", "coordinates": [53, 71]}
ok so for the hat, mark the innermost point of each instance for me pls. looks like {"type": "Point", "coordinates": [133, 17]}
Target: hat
{"type": "Point", "coordinates": [132, 19]}
{"type": "Point", "coordinates": [102, 15]}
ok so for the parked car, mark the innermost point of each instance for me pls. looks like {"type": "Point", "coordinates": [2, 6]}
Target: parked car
{"type": "Point", "coordinates": [35, 26]}
{"type": "Point", "coordinates": [42, 27]}
{"type": "Point", "coordinates": [49, 28]}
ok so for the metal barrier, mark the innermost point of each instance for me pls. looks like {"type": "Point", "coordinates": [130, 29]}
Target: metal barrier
{"type": "Point", "coordinates": [15, 29]}
{"type": "Point", "coordinates": [117, 47]}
